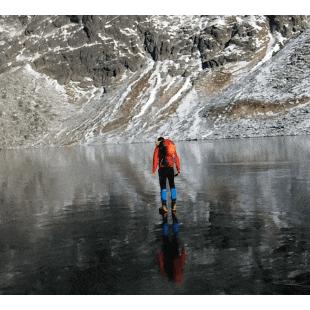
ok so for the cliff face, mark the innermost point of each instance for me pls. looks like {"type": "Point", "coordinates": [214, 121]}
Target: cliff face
{"type": "Point", "coordinates": [272, 100]}
{"type": "Point", "coordinates": [75, 79]}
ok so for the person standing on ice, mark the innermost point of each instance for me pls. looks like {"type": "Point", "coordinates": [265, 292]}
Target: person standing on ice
{"type": "Point", "coordinates": [165, 156]}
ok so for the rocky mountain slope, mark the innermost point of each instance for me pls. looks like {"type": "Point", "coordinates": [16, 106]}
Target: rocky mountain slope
{"type": "Point", "coordinates": [96, 79]}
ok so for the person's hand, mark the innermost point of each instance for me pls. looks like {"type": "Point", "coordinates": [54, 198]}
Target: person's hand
{"type": "Point", "coordinates": [153, 173]}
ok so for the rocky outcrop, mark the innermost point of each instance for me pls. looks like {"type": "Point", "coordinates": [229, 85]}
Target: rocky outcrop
{"type": "Point", "coordinates": [72, 48]}
{"type": "Point", "coordinates": [131, 77]}
{"type": "Point", "coordinates": [287, 25]}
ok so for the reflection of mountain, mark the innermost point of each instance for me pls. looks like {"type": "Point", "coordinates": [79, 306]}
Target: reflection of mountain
{"type": "Point", "coordinates": [244, 218]}
{"type": "Point", "coordinates": [247, 213]}
{"type": "Point", "coordinates": [72, 79]}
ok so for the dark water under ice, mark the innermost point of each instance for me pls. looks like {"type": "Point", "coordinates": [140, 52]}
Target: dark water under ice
{"type": "Point", "coordinates": [84, 220]}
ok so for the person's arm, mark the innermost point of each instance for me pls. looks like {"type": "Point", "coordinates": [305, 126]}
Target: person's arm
{"type": "Point", "coordinates": [155, 160]}
{"type": "Point", "coordinates": [177, 162]}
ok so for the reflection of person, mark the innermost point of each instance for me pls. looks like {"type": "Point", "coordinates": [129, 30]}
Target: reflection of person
{"type": "Point", "coordinates": [172, 259]}
{"type": "Point", "coordinates": [165, 156]}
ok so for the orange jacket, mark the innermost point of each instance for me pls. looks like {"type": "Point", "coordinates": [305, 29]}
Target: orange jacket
{"type": "Point", "coordinates": [171, 156]}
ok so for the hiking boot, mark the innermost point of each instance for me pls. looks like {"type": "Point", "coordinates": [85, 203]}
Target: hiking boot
{"type": "Point", "coordinates": [163, 210]}
{"type": "Point", "coordinates": [174, 208]}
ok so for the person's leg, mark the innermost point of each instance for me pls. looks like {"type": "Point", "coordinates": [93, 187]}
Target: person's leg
{"type": "Point", "coordinates": [163, 190]}
{"type": "Point", "coordinates": [173, 190]}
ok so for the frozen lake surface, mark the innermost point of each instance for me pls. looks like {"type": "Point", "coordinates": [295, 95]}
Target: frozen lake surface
{"type": "Point", "coordinates": [84, 220]}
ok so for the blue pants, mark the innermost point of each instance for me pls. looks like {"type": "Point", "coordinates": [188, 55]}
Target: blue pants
{"type": "Point", "coordinates": [164, 174]}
